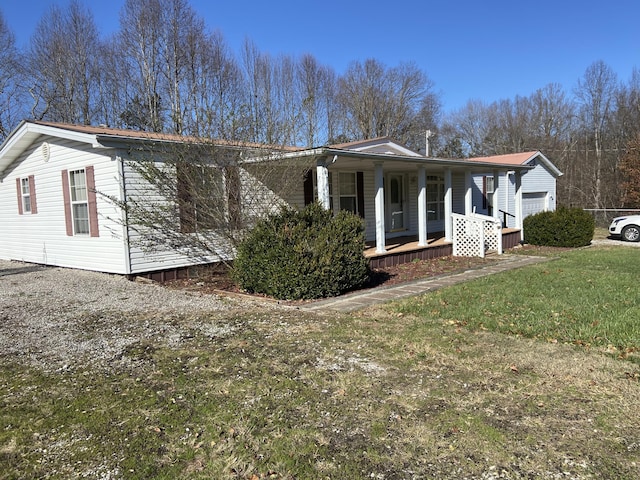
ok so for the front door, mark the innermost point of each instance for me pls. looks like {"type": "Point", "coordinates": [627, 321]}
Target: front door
{"type": "Point", "coordinates": [396, 206]}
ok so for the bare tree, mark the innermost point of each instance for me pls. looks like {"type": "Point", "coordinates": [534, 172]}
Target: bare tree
{"type": "Point", "coordinates": [595, 93]}
{"type": "Point", "coordinates": [12, 95]}
{"type": "Point", "coordinates": [114, 82]}
{"type": "Point", "coordinates": [62, 64]}
{"type": "Point", "coordinates": [215, 89]}
{"type": "Point", "coordinates": [273, 103]}
{"type": "Point", "coordinates": [630, 170]}
{"type": "Point", "coordinates": [470, 127]}
{"type": "Point", "coordinates": [552, 114]}
{"type": "Point", "coordinates": [553, 123]}
{"type": "Point", "coordinates": [427, 118]}
{"type": "Point", "coordinates": [383, 102]}
{"type": "Point", "coordinates": [312, 81]}
{"type": "Point", "coordinates": [141, 45]}
{"type": "Point", "coordinates": [361, 92]}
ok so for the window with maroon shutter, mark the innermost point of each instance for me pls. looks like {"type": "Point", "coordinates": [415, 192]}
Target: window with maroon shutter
{"type": "Point", "coordinates": [26, 190]}
{"type": "Point", "coordinates": [92, 201]}
{"type": "Point", "coordinates": [19, 191]}
{"type": "Point", "coordinates": [80, 205]}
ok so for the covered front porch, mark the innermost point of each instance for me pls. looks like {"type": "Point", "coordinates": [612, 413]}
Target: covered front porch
{"type": "Point", "coordinates": [406, 249]}
{"type": "Point", "coordinates": [402, 195]}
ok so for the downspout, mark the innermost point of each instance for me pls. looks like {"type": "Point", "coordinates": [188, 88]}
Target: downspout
{"type": "Point", "coordinates": [125, 227]}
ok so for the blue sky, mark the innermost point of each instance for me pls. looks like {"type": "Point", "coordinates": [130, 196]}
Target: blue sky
{"type": "Point", "coordinates": [471, 49]}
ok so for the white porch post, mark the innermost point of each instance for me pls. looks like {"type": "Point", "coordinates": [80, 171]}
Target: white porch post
{"type": "Point", "coordinates": [322, 177]}
{"type": "Point", "coordinates": [507, 202]}
{"type": "Point", "coordinates": [518, 202]}
{"type": "Point", "coordinates": [448, 206]}
{"type": "Point", "coordinates": [468, 193]}
{"type": "Point", "coordinates": [379, 208]}
{"type": "Point", "coordinates": [496, 195]}
{"type": "Point", "coordinates": [422, 206]}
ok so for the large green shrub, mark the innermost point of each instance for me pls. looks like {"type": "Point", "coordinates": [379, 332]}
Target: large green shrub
{"type": "Point", "coordinates": [303, 254]}
{"type": "Point", "coordinates": [564, 227]}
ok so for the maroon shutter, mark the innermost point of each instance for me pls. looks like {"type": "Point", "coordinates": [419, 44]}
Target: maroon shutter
{"type": "Point", "coordinates": [360, 193]}
{"type": "Point", "coordinates": [484, 192]}
{"type": "Point", "coordinates": [67, 202]}
{"type": "Point", "coordinates": [32, 194]}
{"type": "Point", "coordinates": [93, 205]}
{"type": "Point", "coordinates": [308, 187]}
{"type": "Point", "coordinates": [19, 189]}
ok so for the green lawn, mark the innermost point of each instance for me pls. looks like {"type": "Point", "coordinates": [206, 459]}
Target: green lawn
{"type": "Point", "coordinates": [588, 297]}
{"type": "Point", "coordinates": [440, 387]}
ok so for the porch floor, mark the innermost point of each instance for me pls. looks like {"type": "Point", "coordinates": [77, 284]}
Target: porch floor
{"type": "Point", "coordinates": [405, 244]}
{"type": "Point", "coordinates": [406, 249]}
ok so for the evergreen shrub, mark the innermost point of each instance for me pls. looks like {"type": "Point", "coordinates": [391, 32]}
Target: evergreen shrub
{"type": "Point", "coordinates": [564, 227]}
{"type": "Point", "coordinates": [303, 254]}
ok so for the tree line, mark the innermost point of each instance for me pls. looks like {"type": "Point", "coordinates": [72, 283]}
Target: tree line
{"type": "Point", "coordinates": [165, 70]}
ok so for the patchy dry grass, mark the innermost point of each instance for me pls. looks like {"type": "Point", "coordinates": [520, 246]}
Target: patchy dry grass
{"type": "Point", "coordinates": [387, 393]}
{"type": "Point", "coordinates": [296, 396]}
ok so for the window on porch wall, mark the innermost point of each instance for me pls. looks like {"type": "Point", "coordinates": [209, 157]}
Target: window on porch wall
{"type": "Point", "coordinates": [435, 197]}
{"type": "Point", "coordinates": [347, 189]}
{"type": "Point", "coordinates": [487, 193]}
{"type": "Point", "coordinates": [350, 188]}
{"type": "Point", "coordinates": [350, 192]}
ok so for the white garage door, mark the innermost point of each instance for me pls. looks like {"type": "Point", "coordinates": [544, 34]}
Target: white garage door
{"type": "Point", "coordinates": [533, 203]}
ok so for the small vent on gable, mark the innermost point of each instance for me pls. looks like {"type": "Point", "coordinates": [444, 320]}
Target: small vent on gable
{"type": "Point", "coordinates": [45, 151]}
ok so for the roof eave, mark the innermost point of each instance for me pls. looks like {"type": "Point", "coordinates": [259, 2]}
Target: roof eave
{"type": "Point", "coordinates": [382, 157]}
{"type": "Point", "coordinates": [25, 134]}
{"type": "Point", "coordinates": [546, 161]}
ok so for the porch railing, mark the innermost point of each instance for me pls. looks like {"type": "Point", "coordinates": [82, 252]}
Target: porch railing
{"type": "Point", "coordinates": [475, 234]}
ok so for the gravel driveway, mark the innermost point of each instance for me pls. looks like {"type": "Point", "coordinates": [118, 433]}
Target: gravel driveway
{"type": "Point", "coordinates": [56, 317]}
{"type": "Point", "coordinates": [611, 241]}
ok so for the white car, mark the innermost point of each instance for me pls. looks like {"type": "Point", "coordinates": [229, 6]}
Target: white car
{"type": "Point", "coordinates": [627, 228]}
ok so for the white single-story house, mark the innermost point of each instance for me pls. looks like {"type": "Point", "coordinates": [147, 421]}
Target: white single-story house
{"type": "Point", "coordinates": [55, 180]}
{"type": "Point", "coordinates": [538, 186]}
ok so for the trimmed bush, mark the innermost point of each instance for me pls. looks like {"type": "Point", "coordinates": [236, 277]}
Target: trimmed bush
{"type": "Point", "coordinates": [303, 254]}
{"type": "Point", "coordinates": [565, 227]}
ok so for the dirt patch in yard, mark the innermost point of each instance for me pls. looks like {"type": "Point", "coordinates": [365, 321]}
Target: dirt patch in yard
{"type": "Point", "coordinates": [217, 278]}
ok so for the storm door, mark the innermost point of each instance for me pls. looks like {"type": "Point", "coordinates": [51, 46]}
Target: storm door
{"type": "Point", "coordinates": [396, 207]}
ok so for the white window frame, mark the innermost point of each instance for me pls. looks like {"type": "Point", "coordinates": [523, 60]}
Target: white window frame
{"type": "Point", "coordinates": [490, 184]}
{"type": "Point", "coordinates": [26, 195]}
{"type": "Point", "coordinates": [78, 190]}
{"type": "Point", "coordinates": [353, 195]}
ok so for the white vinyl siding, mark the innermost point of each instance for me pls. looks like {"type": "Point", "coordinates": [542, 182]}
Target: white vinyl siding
{"type": "Point", "coordinates": [42, 238]}
{"type": "Point", "coordinates": [144, 257]}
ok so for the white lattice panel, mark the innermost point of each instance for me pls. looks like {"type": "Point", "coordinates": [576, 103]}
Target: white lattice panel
{"type": "Point", "coordinates": [468, 238]}
{"type": "Point", "coordinates": [474, 234]}
{"type": "Point", "coordinates": [491, 236]}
